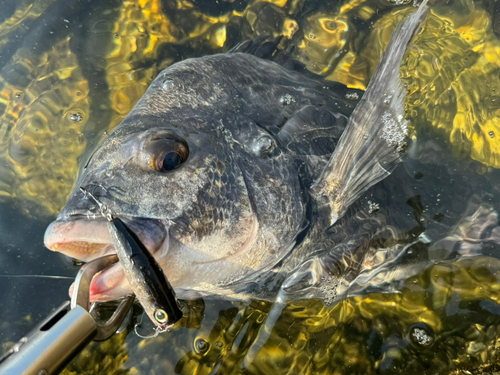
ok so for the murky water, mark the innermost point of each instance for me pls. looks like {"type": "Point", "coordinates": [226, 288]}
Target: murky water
{"type": "Point", "coordinates": [71, 70]}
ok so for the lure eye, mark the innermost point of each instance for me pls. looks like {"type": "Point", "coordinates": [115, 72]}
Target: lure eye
{"type": "Point", "coordinates": [160, 316]}
{"type": "Point", "coordinates": [168, 154]}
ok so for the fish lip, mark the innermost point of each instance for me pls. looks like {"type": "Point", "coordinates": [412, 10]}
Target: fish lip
{"type": "Point", "coordinates": [107, 285]}
{"type": "Point", "coordinates": [84, 238]}
{"type": "Point", "coordinates": [79, 237]}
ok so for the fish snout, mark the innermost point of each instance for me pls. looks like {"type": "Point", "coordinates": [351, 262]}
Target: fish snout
{"type": "Point", "coordinates": [82, 204]}
{"type": "Point", "coordinates": [79, 238]}
{"type": "Point", "coordinates": [87, 237]}
{"type": "Point", "coordinates": [84, 238]}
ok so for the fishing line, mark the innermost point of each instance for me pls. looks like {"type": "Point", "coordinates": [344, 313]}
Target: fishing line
{"type": "Point", "coordinates": [39, 276]}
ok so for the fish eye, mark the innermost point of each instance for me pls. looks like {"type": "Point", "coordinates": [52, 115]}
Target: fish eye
{"type": "Point", "coordinates": [160, 316]}
{"type": "Point", "coordinates": [168, 154]}
{"type": "Point", "coordinates": [171, 161]}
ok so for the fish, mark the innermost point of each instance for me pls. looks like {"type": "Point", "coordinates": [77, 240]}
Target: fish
{"type": "Point", "coordinates": [237, 172]}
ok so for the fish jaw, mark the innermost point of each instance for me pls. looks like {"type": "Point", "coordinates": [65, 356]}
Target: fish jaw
{"type": "Point", "coordinates": [89, 239]}
{"type": "Point", "coordinates": [79, 238]}
{"type": "Point", "coordinates": [108, 285]}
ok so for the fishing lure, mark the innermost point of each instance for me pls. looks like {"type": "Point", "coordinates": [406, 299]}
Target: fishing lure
{"type": "Point", "coordinates": [145, 276]}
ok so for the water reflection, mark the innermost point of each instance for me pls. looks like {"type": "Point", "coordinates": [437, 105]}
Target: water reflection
{"type": "Point", "coordinates": [446, 318]}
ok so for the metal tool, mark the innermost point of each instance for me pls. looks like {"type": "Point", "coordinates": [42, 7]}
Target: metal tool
{"type": "Point", "coordinates": [49, 347]}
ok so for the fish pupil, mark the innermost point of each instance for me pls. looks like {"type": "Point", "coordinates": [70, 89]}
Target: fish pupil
{"type": "Point", "coordinates": [171, 161]}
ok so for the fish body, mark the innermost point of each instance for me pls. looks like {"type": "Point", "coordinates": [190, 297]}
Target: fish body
{"type": "Point", "coordinates": [246, 163]}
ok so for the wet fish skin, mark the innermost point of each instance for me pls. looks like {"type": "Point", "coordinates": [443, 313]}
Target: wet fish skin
{"type": "Point", "coordinates": [254, 199]}
{"type": "Point", "coordinates": [238, 203]}
{"type": "Point", "coordinates": [145, 276]}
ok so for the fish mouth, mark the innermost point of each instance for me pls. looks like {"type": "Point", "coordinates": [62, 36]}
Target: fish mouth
{"type": "Point", "coordinates": [79, 238]}
{"type": "Point", "coordinates": [87, 239]}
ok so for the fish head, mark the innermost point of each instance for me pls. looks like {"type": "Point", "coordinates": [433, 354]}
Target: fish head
{"type": "Point", "coordinates": [214, 199]}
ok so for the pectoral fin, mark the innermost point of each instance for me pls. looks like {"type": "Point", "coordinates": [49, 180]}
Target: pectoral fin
{"type": "Point", "coordinates": [370, 147]}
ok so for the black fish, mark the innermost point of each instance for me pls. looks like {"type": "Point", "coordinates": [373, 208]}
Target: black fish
{"type": "Point", "coordinates": [245, 163]}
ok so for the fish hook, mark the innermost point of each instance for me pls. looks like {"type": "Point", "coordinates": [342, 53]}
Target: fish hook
{"type": "Point", "coordinates": [157, 330]}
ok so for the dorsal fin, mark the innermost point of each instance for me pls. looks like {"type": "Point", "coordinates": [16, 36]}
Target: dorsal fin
{"type": "Point", "coordinates": [370, 147]}
{"type": "Point", "coordinates": [263, 47]}
{"type": "Point", "coordinates": [279, 50]}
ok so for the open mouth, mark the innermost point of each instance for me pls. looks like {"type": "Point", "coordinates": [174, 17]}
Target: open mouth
{"type": "Point", "coordinates": [88, 239]}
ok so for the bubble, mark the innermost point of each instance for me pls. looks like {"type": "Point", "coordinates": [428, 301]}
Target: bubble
{"type": "Point", "coordinates": [218, 344]}
{"type": "Point", "coordinates": [421, 335]}
{"type": "Point", "coordinates": [201, 345]}
{"type": "Point", "coordinates": [352, 96]}
{"type": "Point", "coordinates": [394, 131]}
{"type": "Point", "coordinates": [168, 84]}
{"type": "Point", "coordinates": [491, 134]}
{"type": "Point", "coordinates": [18, 95]}
{"type": "Point", "coordinates": [373, 207]}
{"type": "Point", "coordinates": [76, 117]}
{"type": "Point", "coordinates": [287, 99]}
{"type": "Point", "coordinates": [387, 99]}
{"type": "Point", "coordinates": [329, 289]}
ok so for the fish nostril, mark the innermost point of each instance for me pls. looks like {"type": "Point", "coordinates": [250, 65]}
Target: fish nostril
{"type": "Point", "coordinates": [80, 205]}
{"type": "Point", "coordinates": [97, 190]}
